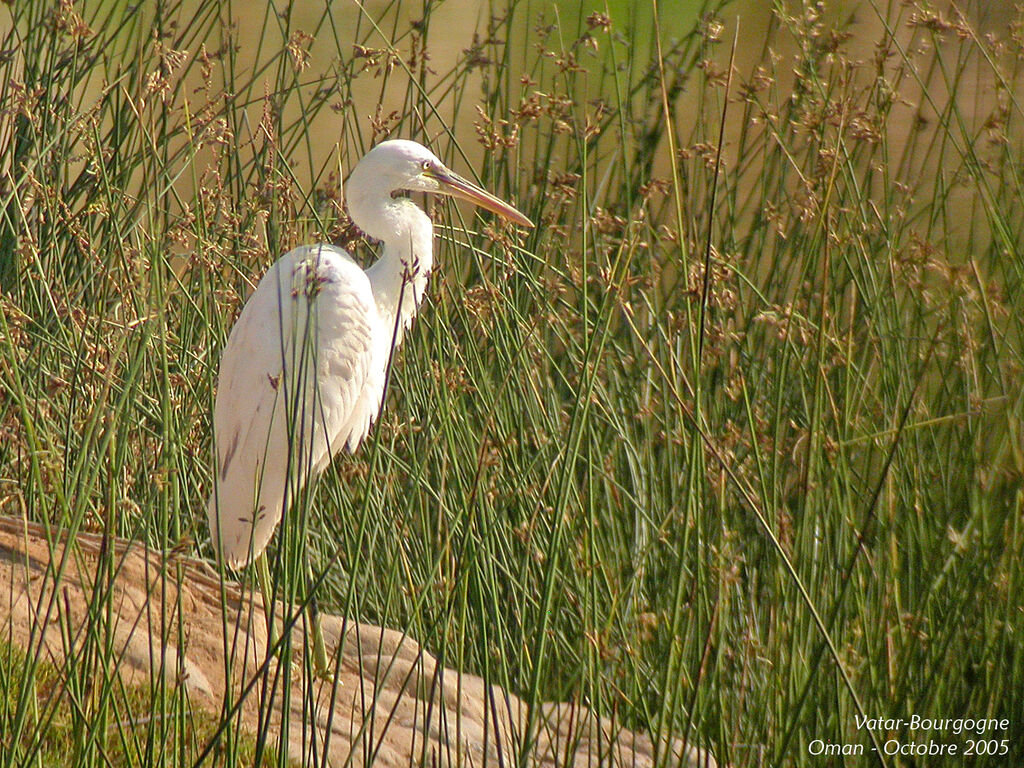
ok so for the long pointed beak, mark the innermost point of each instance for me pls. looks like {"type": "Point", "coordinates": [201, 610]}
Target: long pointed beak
{"type": "Point", "coordinates": [456, 186]}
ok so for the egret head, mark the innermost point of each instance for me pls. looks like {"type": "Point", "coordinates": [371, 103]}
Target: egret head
{"type": "Point", "coordinates": [400, 165]}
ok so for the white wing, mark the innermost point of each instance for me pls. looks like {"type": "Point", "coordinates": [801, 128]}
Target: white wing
{"type": "Point", "coordinates": [300, 377]}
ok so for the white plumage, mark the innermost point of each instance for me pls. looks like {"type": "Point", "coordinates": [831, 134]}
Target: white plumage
{"type": "Point", "coordinates": [303, 371]}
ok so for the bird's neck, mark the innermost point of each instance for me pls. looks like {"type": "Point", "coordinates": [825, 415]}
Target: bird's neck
{"type": "Point", "coordinates": [399, 277]}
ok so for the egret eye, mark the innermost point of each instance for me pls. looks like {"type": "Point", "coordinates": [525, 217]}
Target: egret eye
{"type": "Point", "coordinates": [427, 165]}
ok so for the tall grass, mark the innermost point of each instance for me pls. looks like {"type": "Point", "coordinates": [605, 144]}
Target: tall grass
{"type": "Point", "coordinates": [729, 447]}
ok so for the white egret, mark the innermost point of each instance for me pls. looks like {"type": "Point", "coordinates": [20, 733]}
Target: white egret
{"type": "Point", "coordinates": [302, 375]}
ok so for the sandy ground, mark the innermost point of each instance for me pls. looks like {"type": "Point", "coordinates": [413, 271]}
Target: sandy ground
{"type": "Point", "coordinates": [392, 704]}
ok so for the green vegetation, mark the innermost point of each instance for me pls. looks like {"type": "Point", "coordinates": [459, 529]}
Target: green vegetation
{"type": "Point", "coordinates": [109, 725]}
{"type": "Point", "coordinates": [729, 446]}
